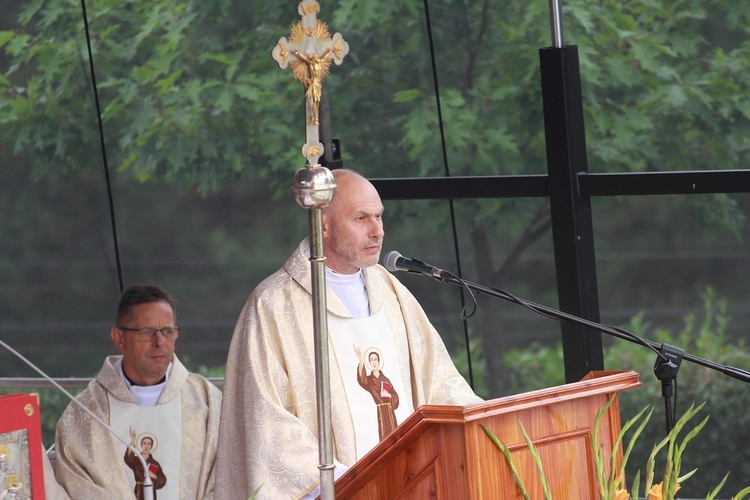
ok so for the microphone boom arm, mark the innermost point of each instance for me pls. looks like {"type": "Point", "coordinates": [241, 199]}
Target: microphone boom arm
{"type": "Point", "coordinates": [668, 358]}
{"type": "Point", "coordinates": [609, 330]}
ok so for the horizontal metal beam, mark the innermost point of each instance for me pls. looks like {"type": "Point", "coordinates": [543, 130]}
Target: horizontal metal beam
{"type": "Point", "coordinates": [650, 183]}
{"type": "Point", "coordinates": [437, 188]}
{"type": "Point", "coordinates": [67, 383]}
{"type": "Point", "coordinates": [535, 186]}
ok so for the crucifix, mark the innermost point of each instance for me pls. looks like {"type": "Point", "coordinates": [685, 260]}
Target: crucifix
{"type": "Point", "coordinates": [309, 51]}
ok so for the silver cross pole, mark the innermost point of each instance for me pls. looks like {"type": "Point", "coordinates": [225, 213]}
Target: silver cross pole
{"type": "Point", "coordinates": [309, 51]}
{"type": "Point", "coordinates": [556, 23]}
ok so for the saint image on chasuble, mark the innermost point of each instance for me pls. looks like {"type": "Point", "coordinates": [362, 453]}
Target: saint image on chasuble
{"type": "Point", "coordinates": [148, 446]}
{"type": "Point", "coordinates": [380, 388]}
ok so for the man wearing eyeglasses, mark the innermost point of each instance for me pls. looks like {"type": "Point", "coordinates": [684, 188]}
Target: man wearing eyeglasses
{"type": "Point", "coordinates": [144, 388]}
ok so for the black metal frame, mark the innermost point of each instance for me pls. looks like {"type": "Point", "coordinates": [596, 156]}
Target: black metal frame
{"type": "Point", "coordinates": [569, 186]}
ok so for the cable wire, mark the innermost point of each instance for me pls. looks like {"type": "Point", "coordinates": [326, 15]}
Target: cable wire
{"type": "Point", "coordinates": [456, 249]}
{"type": "Point", "coordinates": [104, 149]}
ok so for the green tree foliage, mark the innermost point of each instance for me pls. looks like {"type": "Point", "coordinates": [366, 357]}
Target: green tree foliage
{"type": "Point", "coordinates": [182, 95]}
{"type": "Point", "coordinates": [190, 93]}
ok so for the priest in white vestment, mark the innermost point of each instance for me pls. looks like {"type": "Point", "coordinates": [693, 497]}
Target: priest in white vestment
{"type": "Point", "coordinates": [148, 398]}
{"type": "Point", "coordinates": [268, 431]}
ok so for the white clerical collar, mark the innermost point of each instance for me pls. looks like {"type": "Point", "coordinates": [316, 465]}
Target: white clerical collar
{"type": "Point", "coordinates": [144, 395]}
{"type": "Point", "coordinates": [351, 290]}
{"type": "Point", "coordinates": [337, 277]}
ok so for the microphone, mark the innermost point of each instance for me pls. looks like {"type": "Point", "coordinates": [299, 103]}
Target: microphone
{"type": "Point", "coordinates": [394, 261]}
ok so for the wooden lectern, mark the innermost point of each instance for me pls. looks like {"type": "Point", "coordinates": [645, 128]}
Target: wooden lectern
{"type": "Point", "coordinates": [442, 452]}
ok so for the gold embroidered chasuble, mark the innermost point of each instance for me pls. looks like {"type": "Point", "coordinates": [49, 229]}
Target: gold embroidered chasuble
{"type": "Point", "coordinates": [52, 489]}
{"type": "Point", "coordinates": [89, 463]}
{"type": "Point", "coordinates": [268, 430]}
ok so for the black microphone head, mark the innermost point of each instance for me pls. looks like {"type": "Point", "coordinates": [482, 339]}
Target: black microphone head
{"type": "Point", "coordinates": [389, 261]}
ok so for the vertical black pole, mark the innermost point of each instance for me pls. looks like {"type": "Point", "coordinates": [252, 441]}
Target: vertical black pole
{"type": "Point", "coordinates": [572, 228]}
{"type": "Point", "coordinates": [331, 158]}
{"type": "Point", "coordinates": [324, 130]}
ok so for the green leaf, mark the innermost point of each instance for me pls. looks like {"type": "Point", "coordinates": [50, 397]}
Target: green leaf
{"type": "Point", "coordinates": [166, 84]}
{"type": "Point", "coordinates": [220, 58]}
{"type": "Point", "coordinates": [407, 95]}
{"type": "Point", "coordinates": [598, 459]}
{"type": "Point", "coordinates": [635, 488]}
{"type": "Point", "coordinates": [634, 437]}
{"type": "Point", "coordinates": [716, 490]}
{"type": "Point", "coordinates": [18, 45]}
{"type": "Point", "coordinates": [651, 461]}
{"type": "Point", "coordinates": [193, 90]}
{"type": "Point", "coordinates": [742, 493]}
{"type": "Point", "coordinates": [506, 453]}
{"type": "Point", "coordinates": [224, 102]}
{"type": "Point", "coordinates": [144, 74]}
{"type": "Point", "coordinates": [247, 92]}
{"type": "Point", "coordinates": [30, 9]}
{"type": "Point", "coordinates": [537, 461]}
{"type": "Point", "coordinates": [5, 35]}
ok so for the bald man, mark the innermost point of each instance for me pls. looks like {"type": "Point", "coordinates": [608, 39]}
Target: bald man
{"type": "Point", "coordinates": [268, 425]}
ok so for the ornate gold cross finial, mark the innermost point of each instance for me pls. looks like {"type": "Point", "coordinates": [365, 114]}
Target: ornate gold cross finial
{"type": "Point", "coordinates": [309, 51]}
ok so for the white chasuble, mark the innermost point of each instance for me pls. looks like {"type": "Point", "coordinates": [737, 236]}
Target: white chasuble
{"type": "Point", "coordinates": [162, 425]}
{"type": "Point", "coordinates": [377, 388]}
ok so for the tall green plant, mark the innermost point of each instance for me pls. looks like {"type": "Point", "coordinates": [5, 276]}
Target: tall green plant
{"type": "Point", "coordinates": [611, 486]}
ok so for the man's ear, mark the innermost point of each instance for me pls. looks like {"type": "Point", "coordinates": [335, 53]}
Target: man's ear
{"type": "Point", "coordinates": [117, 338]}
{"type": "Point", "coordinates": [326, 223]}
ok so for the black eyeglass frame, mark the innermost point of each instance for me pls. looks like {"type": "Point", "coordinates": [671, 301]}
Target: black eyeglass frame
{"type": "Point", "coordinates": [149, 333]}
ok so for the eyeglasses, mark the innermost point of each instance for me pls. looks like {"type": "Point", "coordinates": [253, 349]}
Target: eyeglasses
{"type": "Point", "coordinates": [169, 333]}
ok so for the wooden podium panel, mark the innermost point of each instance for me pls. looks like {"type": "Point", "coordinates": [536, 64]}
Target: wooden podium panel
{"type": "Point", "coordinates": [442, 452]}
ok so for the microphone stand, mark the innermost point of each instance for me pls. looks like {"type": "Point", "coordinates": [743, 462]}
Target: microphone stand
{"type": "Point", "coordinates": [668, 357]}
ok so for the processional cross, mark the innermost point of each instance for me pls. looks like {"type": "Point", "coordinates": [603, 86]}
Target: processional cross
{"type": "Point", "coordinates": [309, 51]}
